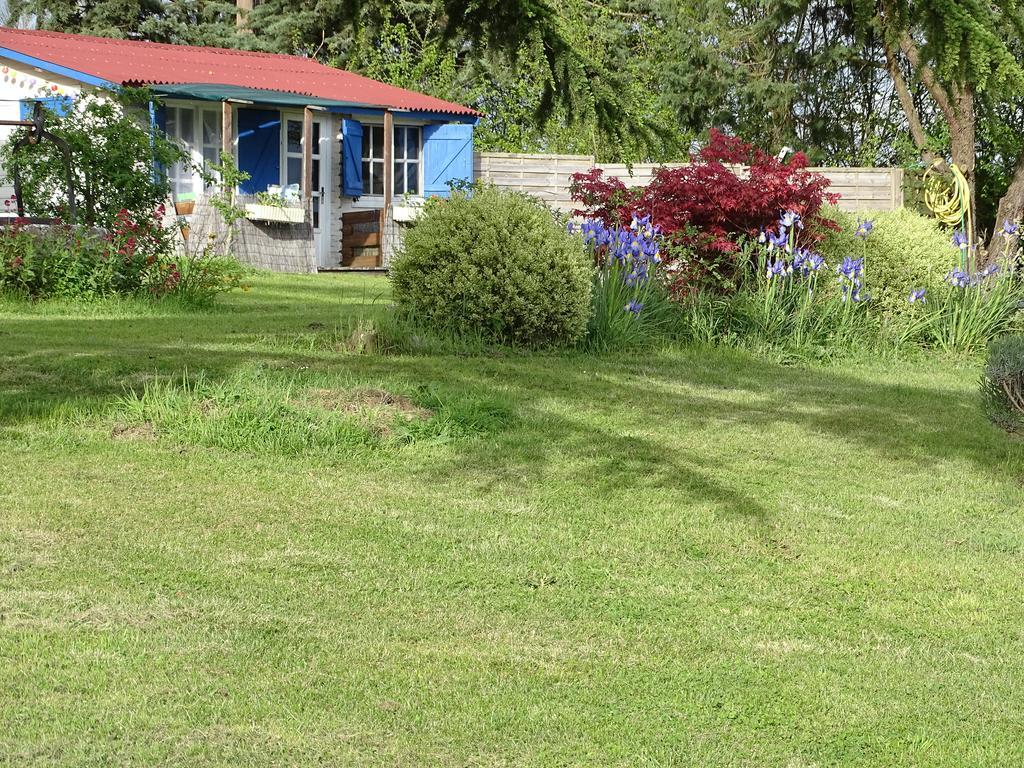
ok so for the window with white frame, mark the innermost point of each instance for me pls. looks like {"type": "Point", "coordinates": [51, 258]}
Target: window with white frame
{"type": "Point", "coordinates": [180, 127]}
{"type": "Point", "coordinates": [199, 131]}
{"type": "Point", "coordinates": [373, 160]}
{"type": "Point", "coordinates": [407, 160]}
{"type": "Point", "coordinates": [211, 131]}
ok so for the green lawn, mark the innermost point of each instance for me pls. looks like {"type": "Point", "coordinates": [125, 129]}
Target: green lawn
{"type": "Point", "coordinates": [685, 557]}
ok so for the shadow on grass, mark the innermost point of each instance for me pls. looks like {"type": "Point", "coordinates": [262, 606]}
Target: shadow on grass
{"type": "Point", "coordinates": [612, 416]}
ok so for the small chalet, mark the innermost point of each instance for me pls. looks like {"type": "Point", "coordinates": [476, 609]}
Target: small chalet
{"type": "Point", "coordinates": [353, 155]}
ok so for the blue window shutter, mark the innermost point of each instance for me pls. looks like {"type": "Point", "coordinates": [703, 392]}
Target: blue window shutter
{"type": "Point", "coordinates": [447, 157]}
{"type": "Point", "coordinates": [352, 150]}
{"type": "Point", "coordinates": [160, 117]}
{"type": "Point", "coordinates": [259, 148]}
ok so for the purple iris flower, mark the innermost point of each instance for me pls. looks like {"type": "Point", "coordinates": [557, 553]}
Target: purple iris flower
{"type": "Point", "coordinates": [851, 268]}
{"type": "Point", "coordinates": [777, 268]}
{"type": "Point", "coordinates": [853, 291]}
{"type": "Point", "coordinates": [780, 241]}
{"type": "Point", "coordinates": [988, 271]}
{"type": "Point", "coordinates": [960, 239]}
{"type": "Point", "coordinates": [791, 219]}
{"type": "Point", "coordinates": [958, 278]}
{"type": "Point", "coordinates": [634, 307]}
{"type": "Point", "coordinates": [800, 260]}
{"type": "Point", "coordinates": [1010, 229]}
{"type": "Point", "coordinates": [917, 296]}
{"type": "Point", "coordinates": [864, 228]}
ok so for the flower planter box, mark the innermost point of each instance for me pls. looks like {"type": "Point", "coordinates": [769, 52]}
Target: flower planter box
{"type": "Point", "coordinates": [405, 214]}
{"type": "Point", "coordinates": [285, 214]}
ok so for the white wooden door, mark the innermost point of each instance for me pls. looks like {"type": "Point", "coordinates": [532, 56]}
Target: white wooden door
{"type": "Point", "coordinates": [322, 193]}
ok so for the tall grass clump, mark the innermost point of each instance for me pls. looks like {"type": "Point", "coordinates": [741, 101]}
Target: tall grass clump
{"type": "Point", "coordinates": [969, 308]}
{"type": "Point", "coordinates": [631, 303]}
{"type": "Point", "coordinates": [787, 296]}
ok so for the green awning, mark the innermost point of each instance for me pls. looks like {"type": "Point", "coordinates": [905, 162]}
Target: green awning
{"type": "Point", "coordinates": [214, 92]}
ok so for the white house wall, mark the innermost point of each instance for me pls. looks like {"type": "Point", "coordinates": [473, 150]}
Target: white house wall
{"type": "Point", "coordinates": [18, 82]}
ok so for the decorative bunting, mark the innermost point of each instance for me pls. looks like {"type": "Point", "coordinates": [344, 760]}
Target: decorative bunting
{"type": "Point", "coordinates": [26, 81]}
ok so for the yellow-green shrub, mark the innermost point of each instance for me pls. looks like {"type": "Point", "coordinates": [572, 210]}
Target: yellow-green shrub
{"type": "Point", "coordinates": [904, 251]}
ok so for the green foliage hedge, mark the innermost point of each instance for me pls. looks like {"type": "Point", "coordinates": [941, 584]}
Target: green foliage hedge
{"type": "Point", "coordinates": [904, 251]}
{"type": "Point", "coordinates": [498, 264]}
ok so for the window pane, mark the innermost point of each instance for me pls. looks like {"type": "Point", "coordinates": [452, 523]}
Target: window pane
{"type": "Point", "coordinates": [366, 173]}
{"type": "Point", "coordinates": [211, 127]}
{"type": "Point", "coordinates": [294, 171]}
{"type": "Point", "coordinates": [316, 213]}
{"type": "Point", "coordinates": [367, 146]}
{"type": "Point", "coordinates": [316, 175]}
{"type": "Point", "coordinates": [172, 122]}
{"type": "Point", "coordinates": [378, 178]}
{"type": "Point", "coordinates": [398, 180]}
{"type": "Point", "coordinates": [186, 118]}
{"type": "Point", "coordinates": [316, 138]}
{"type": "Point", "coordinates": [378, 142]}
{"type": "Point", "coordinates": [399, 144]}
{"type": "Point", "coordinates": [412, 146]}
{"type": "Point", "coordinates": [295, 136]}
{"type": "Point", "coordinates": [412, 178]}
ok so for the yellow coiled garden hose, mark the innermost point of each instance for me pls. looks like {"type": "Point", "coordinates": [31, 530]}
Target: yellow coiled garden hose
{"type": "Point", "coordinates": [950, 202]}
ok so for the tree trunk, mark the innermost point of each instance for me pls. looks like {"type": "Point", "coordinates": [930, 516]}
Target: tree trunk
{"type": "Point", "coordinates": [963, 151]}
{"type": "Point", "coordinates": [917, 132]}
{"type": "Point", "coordinates": [1011, 208]}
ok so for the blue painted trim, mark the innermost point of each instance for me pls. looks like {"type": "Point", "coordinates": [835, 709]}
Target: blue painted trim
{"type": "Point", "coordinates": [154, 171]}
{"type": "Point", "coordinates": [356, 110]}
{"type": "Point", "coordinates": [441, 117]}
{"type": "Point", "coordinates": [56, 69]}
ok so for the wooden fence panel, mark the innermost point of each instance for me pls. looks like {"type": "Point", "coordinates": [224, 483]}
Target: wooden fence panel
{"type": "Point", "coordinates": [547, 177]}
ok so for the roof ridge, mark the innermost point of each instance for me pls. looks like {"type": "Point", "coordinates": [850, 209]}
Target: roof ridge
{"type": "Point", "coordinates": [120, 60]}
{"type": "Point", "coordinates": [153, 43]}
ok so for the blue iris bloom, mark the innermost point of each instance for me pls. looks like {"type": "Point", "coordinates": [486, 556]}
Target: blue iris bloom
{"type": "Point", "coordinates": [851, 268]}
{"type": "Point", "coordinates": [988, 271]}
{"type": "Point", "coordinates": [777, 268]}
{"type": "Point", "coordinates": [1010, 229]}
{"type": "Point", "coordinates": [864, 228]}
{"type": "Point", "coordinates": [634, 307]}
{"type": "Point", "coordinates": [780, 241]}
{"type": "Point", "coordinates": [960, 240]}
{"type": "Point", "coordinates": [958, 278]}
{"type": "Point", "coordinates": [791, 219]}
{"type": "Point", "coordinates": [917, 296]}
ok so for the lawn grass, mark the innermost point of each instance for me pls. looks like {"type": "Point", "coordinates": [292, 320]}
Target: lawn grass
{"type": "Point", "coordinates": [680, 557]}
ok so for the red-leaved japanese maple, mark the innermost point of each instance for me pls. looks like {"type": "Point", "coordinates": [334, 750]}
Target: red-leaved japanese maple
{"type": "Point", "coordinates": [730, 189]}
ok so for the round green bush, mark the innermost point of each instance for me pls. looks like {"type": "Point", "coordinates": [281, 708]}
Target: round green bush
{"type": "Point", "coordinates": [903, 252]}
{"type": "Point", "coordinates": [498, 264]}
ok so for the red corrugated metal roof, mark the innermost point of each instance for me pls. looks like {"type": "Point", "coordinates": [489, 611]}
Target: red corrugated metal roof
{"type": "Point", "coordinates": [132, 62]}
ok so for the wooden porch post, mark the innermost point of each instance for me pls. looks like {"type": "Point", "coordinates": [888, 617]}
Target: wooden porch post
{"type": "Point", "coordinates": [389, 179]}
{"type": "Point", "coordinates": [307, 163]}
